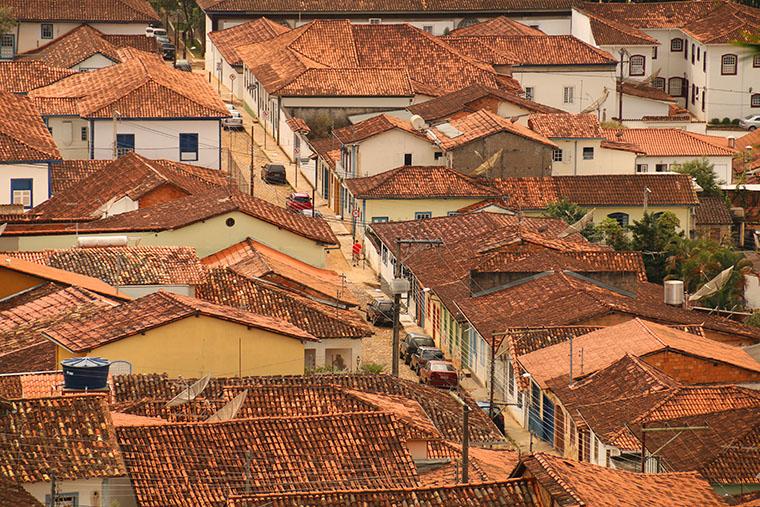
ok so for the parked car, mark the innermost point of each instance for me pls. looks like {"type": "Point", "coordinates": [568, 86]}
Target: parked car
{"type": "Point", "coordinates": [155, 31]}
{"type": "Point", "coordinates": [424, 354]}
{"type": "Point", "coordinates": [162, 39]}
{"type": "Point", "coordinates": [750, 122]}
{"type": "Point", "coordinates": [298, 201]}
{"type": "Point", "coordinates": [497, 417]}
{"type": "Point", "coordinates": [234, 122]}
{"type": "Point", "coordinates": [311, 213]}
{"type": "Point", "coordinates": [380, 311]}
{"type": "Point", "coordinates": [409, 345]}
{"type": "Point", "coordinates": [273, 173]}
{"type": "Point", "coordinates": [439, 374]}
{"type": "Point", "coordinates": [168, 51]}
{"type": "Point", "coordinates": [183, 65]}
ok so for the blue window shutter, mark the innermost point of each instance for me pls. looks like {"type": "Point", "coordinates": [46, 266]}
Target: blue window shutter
{"type": "Point", "coordinates": [188, 146]}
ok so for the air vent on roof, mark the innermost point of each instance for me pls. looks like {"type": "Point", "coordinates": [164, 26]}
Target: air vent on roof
{"type": "Point", "coordinates": [85, 373]}
{"type": "Point", "coordinates": [674, 292]}
{"type": "Point", "coordinates": [449, 130]}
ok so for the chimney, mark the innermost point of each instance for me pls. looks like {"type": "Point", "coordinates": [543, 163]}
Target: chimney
{"type": "Point", "coordinates": [732, 142]}
{"type": "Point", "coordinates": [673, 292]}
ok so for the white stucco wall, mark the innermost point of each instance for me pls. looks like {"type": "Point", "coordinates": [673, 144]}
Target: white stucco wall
{"type": "Point", "coordinates": [550, 24]}
{"type": "Point", "coordinates": [159, 139]}
{"type": "Point", "coordinates": [635, 108]}
{"type": "Point", "coordinates": [96, 61]}
{"type": "Point", "coordinates": [721, 165]}
{"type": "Point", "coordinates": [386, 151]}
{"type": "Point", "coordinates": [28, 34]}
{"type": "Point", "coordinates": [548, 85]}
{"type": "Point", "coordinates": [67, 134]}
{"type": "Point", "coordinates": [38, 173]}
{"type": "Point", "coordinates": [605, 161]}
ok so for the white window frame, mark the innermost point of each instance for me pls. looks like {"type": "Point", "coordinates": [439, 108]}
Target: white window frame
{"type": "Point", "coordinates": [590, 150]}
{"type": "Point", "coordinates": [568, 95]}
{"type": "Point", "coordinates": [530, 92]}
{"type": "Point", "coordinates": [642, 168]}
{"type": "Point", "coordinates": [375, 21]}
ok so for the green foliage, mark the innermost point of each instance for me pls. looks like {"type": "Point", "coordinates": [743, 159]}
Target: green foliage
{"type": "Point", "coordinates": [7, 21]}
{"type": "Point", "coordinates": [702, 171]}
{"type": "Point", "coordinates": [753, 320]}
{"type": "Point", "coordinates": [654, 236]}
{"type": "Point", "coordinates": [726, 121]}
{"type": "Point", "coordinates": [373, 368]}
{"type": "Point", "coordinates": [715, 121]}
{"type": "Point", "coordinates": [698, 261]}
{"type": "Point", "coordinates": [613, 234]}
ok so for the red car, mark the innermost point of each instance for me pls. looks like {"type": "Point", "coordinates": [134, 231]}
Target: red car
{"type": "Point", "coordinates": [439, 374]}
{"type": "Point", "coordinates": [298, 201]}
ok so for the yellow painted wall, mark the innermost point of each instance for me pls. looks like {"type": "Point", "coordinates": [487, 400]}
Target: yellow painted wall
{"type": "Point", "coordinates": [12, 282]}
{"type": "Point", "coordinates": [195, 346]}
{"type": "Point", "coordinates": [683, 213]}
{"type": "Point", "coordinates": [404, 209]}
{"type": "Point", "coordinates": [206, 237]}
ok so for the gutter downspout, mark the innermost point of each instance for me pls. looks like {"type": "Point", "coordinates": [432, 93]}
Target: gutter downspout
{"type": "Point", "coordinates": [575, 158]}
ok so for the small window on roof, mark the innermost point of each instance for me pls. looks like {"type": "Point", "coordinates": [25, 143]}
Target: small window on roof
{"type": "Point", "coordinates": [421, 215]}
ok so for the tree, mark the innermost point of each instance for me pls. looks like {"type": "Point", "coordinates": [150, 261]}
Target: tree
{"type": "Point", "coordinates": [655, 236]}
{"type": "Point", "coordinates": [613, 234]}
{"type": "Point", "coordinates": [702, 171]}
{"type": "Point", "coordinates": [698, 261]}
{"type": "Point", "coordinates": [7, 20]}
{"type": "Point", "coordinates": [570, 213]}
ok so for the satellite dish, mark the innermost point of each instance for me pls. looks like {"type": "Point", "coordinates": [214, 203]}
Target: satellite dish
{"type": "Point", "coordinates": [2, 228]}
{"type": "Point", "coordinates": [230, 410]}
{"type": "Point", "coordinates": [579, 225]}
{"type": "Point", "coordinates": [652, 77]}
{"type": "Point", "coordinates": [713, 286]}
{"type": "Point", "coordinates": [418, 122]}
{"type": "Point", "coordinates": [190, 393]}
{"type": "Point", "coordinates": [594, 106]}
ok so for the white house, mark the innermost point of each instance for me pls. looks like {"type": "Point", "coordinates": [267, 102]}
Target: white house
{"type": "Point", "coordinates": [41, 21]}
{"type": "Point", "coordinates": [140, 105]}
{"type": "Point", "coordinates": [27, 151]}
{"type": "Point", "coordinates": [663, 149]}
{"type": "Point", "coordinates": [684, 48]}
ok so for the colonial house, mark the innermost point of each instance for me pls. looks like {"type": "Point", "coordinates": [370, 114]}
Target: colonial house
{"type": "Point", "coordinates": [560, 71]}
{"type": "Point", "coordinates": [582, 147]}
{"type": "Point", "coordinates": [86, 48]}
{"type": "Point", "coordinates": [139, 105]}
{"type": "Point", "coordinates": [683, 48]}
{"type": "Point", "coordinates": [42, 21]}
{"type": "Point", "coordinates": [164, 332]}
{"type": "Point", "coordinates": [664, 149]}
{"type": "Point", "coordinates": [222, 59]}
{"type": "Point", "coordinates": [713, 218]}
{"type": "Point", "coordinates": [28, 153]}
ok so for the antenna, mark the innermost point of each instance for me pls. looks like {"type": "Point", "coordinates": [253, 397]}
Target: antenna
{"type": "Point", "coordinates": [579, 225]}
{"type": "Point", "coordinates": [713, 286]}
{"type": "Point", "coordinates": [594, 106]}
{"type": "Point", "coordinates": [2, 228]}
{"type": "Point", "coordinates": [190, 393]}
{"type": "Point", "coordinates": [230, 410]}
{"type": "Point", "coordinates": [418, 122]}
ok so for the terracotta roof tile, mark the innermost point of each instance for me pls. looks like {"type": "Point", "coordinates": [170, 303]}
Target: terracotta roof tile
{"type": "Point", "coordinates": [328, 149]}
{"type": "Point", "coordinates": [298, 125]}
{"type": "Point", "coordinates": [225, 287]}
{"type": "Point", "coordinates": [712, 210]}
{"type": "Point", "coordinates": [154, 310]}
{"type": "Point", "coordinates": [467, 100]}
{"type": "Point", "coordinates": [31, 385]}
{"type": "Point", "coordinates": [68, 172]}
{"type": "Point", "coordinates": [500, 25]}
{"type": "Point", "coordinates": [605, 346]}
{"type": "Point", "coordinates": [252, 259]}
{"type": "Point", "coordinates": [670, 142]}
{"type": "Point", "coordinates": [520, 493]}
{"type": "Point", "coordinates": [574, 483]}
{"type": "Point", "coordinates": [478, 125]}
{"type": "Point", "coordinates": [256, 30]}
{"type": "Point", "coordinates": [646, 91]}
{"type": "Point", "coordinates": [22, 76]}
{"type": "Point", "coordinates": [140, 87]}
{"type": "Point", "coordinates": [13, 493]}
{"type": "Point", "coordinates": [163, 461]}
{"type": "Point", "coordinates": [139, 265]}
{"type": "Point", "coordinates": [416, 182]}
{"type": "Point", "coordinates": [372, 127]}
{"type": "Point", "coordinates": [23, 135]}
{"type": "Point", "coordinates": [566, 126]}
{"type": "Point", "coordinates": [385, 6]}
{"type": "Point", "coordinates": [695, 400]}
{"type": "Point", "coordinates": [85, 445]}
{"type": "Point", "coordinates": [364, 82]}
{"type": "Point", "coordinates": [609, 31]}
{"type": "Point", "coordinates": [82, 11]}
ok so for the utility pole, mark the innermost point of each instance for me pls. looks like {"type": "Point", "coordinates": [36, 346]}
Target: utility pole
{"type": "Point", "coordinates": [176, 36]}
{"type": "Point", "coordinates": [397, 294]}
{"type": "Point", "coordinates": [53, 490]}
{"type": "Point", "coordinates": [492, 377]}
{"type": "Point", "coordinates": [115, 116]}
{"type": "Point", "coordinates": [251, 165]}
{"type": "Point", "coordinates": [248, 458]}
{"type": "Point", "coordinates": [571, 358]}
{"type": "Point", "coordinates": [620, 85]}
{"type": "Point", "coordinates": [466, 443]}
{"type": "Point", "coordinates": [314, 187]}
{"type": "Point", "coordinates": [646, 199]}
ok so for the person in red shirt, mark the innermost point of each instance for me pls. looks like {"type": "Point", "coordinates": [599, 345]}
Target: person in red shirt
{"type": "Point", "coordinates": [356, 252]}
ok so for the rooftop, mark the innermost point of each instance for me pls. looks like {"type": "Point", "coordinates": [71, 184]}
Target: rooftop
{"type": "Point", "coordinates": [610, 31]}
{"type": "Point", "coordinates": [500, 25]}
{"type": "Point", "coordinates": [462, 130]}
{"type": "Point", "coordinates": [646, 91]}
{"type": "Point", "coordinates": [418, 182]}
{"type": "Point", "coordinates": [382, 6]}
{"type": "Point", "coordinates": [23, 135]}
{"type": "Point", "coordinates": [22, 76]}
{"type": "Point", "coordinates": [84, 11]}
{"type": "Point", "coordinates": [87, 332]}
{"type": "Point", "coordinates": [566, 125]}
{"type": "Point", "coordinates": [712, 210]}
{"type": "Point", "coordinates": [68, 172]}
{"type": "Point", "coordinates": [140, 87]}
{"type": "Point", "coordinates": [671, 142]}
{"type": "Point", "coordinates": [256, 30]}
{"type": "Point", "coordinates": [372, 127]}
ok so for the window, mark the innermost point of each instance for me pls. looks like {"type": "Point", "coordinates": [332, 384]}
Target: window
{"type": "Point", "coordinates": [756, 61]}
{"type": "Point", "coordinates": [568, 95]}
{"type": "Point", "coordinates": [728, 65]}
{"type": "Point", "coordinates": [588, 153]}
{"type": "Point", "coordinates": [407, 159]}
{"type": "Point", "coordinates": [124, 144]}
{"type": "Point", "coordinates": [84, 133]}
{"type": "Point", "coordinates": [676, 45]}
{"type": "Point", "coordinates": [642, 168]}
{"type": "Point", "coordinates": [452, 213]}
{"type": "Point", "coordinates": [64, 500]}
{"type": "Point", "coordinates": [421, 215]}
{"type": "Point", "coordinates": [21, 192]}
{"type": "Point", "coordinates": [379, 220]}
{"type": "Point", "coordinates": [654, 53]}
{"type": "Point", "coordinates": [661, 168]}
{"type": "Point", "coordinates": [685, 51]}
{"type": "Point", "coordinates": [704, 62]}
{"type": "Point", "coordinates": [636, 65]}
{"type": "Point", "coordinates": [659, 83]}
{"type": "Point", "coordinates": [693, 53]}
{"type": "Point", "coordinates": [530, 92]}
{"type": "Point", "coordinates": [693, 94]}
{"type": "Point", "coordinates": [437, 155]}
{"type": "Point", "coordinates": [7, 46]}
{"type": "Point", "coordinates": [188, 146]}
{"type": "Point", "coordinates": [754, 100]}
{"type": "Point", "coordinates": [675, 86]}
{"type": "Point", "coordinates": [621, 218]}
{"type": "Point", "coordinates": [46, 31]}
{"type": "Point", "coordinates": [557, 155]}
{"type": "Point", "coordinates": [428, 28]}
{"type": "Point", "coordinates": [699, 52]}
{"type": "Point", "coordinates": [704, 92]}
{"type": "Point", "coordinates": [375, 21]}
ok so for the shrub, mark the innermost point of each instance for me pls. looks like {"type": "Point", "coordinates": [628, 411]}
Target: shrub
{"type": "Point", "coordinates": [715, 121]}
{"type": "Point", "coordinates": [373, 368]}
{"type": "Point", "coordinates": [753, 320]}
{"type": "Point", "coordinates": [726, 121]}
{"type": "Point", "coordinates": [735, 121]}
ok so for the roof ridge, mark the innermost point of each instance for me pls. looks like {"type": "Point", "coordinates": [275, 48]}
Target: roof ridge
{"type": "Point", "coordinates": [549, 468]}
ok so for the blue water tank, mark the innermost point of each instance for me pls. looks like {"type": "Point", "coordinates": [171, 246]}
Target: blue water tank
{"type": "Point", "coordinates": [85, 373]}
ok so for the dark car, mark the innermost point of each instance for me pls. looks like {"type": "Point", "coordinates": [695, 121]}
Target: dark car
{"type": "Point", "coordinates": [439, 374]}
{"type": "Point", "coordinates": [183, 65]}
{"type": "Point", "coordinates": [409, 345]}
{"type": "Point", "coordinates": [380, 311]}
{"type": "Point", "coordinates": [497, 417]}
{"type": "Point", "coordinates": [168, 51]}
{"type": "Point", "coordinates": [273, 173]}
{"type": "Point", "coordinates": [424, 354]}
